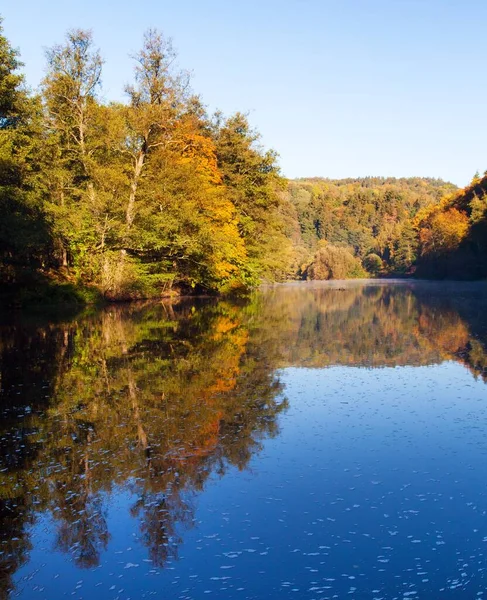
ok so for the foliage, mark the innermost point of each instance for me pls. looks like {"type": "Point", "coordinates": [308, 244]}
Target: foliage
{"type": "Point", "coordinates": [154, 398]}
{"type": "Point", "coordinates": [25, 236]}
{"type": "Point", "coordinates": [452, 236]}
{"type": "Point", "coordinates": [252, 176]}
{"type": "Point", "coordinates": [332, 262]}
{"type": "Point", "coordinates": [138, 199]}
{"type": "Point", "coordinates": [153, 196]}
{"type": "Point", "coordinates": [372, 263]}
{"type": "Point", "coordinates": [406, 249]}
{"type": "Point", "coordinates": [443, 231]}
{"type": "Point", "coordinates": [369, 216]}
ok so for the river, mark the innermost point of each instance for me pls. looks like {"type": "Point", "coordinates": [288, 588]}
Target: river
{"type": "Point", "coordinates": [316, 441]}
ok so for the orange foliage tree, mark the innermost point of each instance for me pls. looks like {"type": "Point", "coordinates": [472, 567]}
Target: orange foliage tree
{"type": "Point", "coordinates": [443, 231]}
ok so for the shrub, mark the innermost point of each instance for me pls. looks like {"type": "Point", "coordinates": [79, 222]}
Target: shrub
{"type": "Point", "coordinates": [332, 262]}
{"type": "Point", "coordinates": [373, 263]}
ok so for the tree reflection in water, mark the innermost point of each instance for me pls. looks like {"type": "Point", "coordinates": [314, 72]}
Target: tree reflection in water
{"type": "Point", "coordinates": [157, 398]}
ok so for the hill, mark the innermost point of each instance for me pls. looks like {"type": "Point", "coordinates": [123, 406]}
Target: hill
{"type": "Point", "coordinates": [370, 218]}
{"type": "Point", "coordinates": [452, 236]}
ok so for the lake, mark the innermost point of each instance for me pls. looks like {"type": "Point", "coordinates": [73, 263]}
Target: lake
{"type": "Point", "coordinates": [315, 441]}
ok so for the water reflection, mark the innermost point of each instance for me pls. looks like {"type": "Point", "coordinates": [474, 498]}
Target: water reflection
{"type": "Point", "coordinates": [377, 325]}
{"type": "Point", "coordinates": [157, 399]}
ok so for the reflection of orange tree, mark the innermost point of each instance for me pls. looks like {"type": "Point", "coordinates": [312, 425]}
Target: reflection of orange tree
{"type": "Point", "coordinates": [475, 357]}
{"type": "Point", "coordinates": [157, 398]}
{"type": "Point", "coordinates": [144, 398]}
{"type": "Point", "coordinates": [443, 329]}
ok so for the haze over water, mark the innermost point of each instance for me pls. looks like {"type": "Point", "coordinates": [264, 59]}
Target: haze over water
{"type": "Point", "coordinates": [319, 441]}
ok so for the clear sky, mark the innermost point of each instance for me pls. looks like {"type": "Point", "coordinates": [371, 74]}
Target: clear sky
{"type": "Point", "coordinates": [339, 88]}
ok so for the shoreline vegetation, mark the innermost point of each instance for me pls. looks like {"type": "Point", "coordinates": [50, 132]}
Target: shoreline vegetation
{"type": "Point", "coordinates": [154, 197]}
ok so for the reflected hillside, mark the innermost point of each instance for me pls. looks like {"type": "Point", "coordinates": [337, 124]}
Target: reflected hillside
{"type": "Point", "coordinates": [378, 325]}
{"type": "Point", "coordinates": [156, 399]}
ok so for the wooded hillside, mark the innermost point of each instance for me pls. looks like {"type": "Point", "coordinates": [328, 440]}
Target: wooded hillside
{"type": "Point", "coordinates": [370, 219]}
{"type": "Point", "coordinates": [154, 196]}
{"type": "Point", "coordinates": [452, 236]}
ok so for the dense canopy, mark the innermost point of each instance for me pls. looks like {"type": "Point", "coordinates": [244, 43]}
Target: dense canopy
{"type": "Point", "coordinates": [153, 196]}
{"type": "Point", "coordinates": [133, 199]}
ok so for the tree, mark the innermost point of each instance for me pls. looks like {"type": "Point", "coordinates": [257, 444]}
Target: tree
{"type": "Point", "coordinates": [74, 76]}
{"type": "Point", "coordinates": [25, 239]}
{"type": "Point", "coordinates": [179, 225]}
{"type": "Point", "coordinates": [69, 91]}
{"type": "Point", "coordinates": [332, 262]}
{"type": "Point", "coordinates": [406, 249]}
{"type": "Point", "coordinates": [12, 96]}
{"type": "Point", "coordinates": [373, 263]}
{"type": "Point", "coordinates": [252, 178]}
{"type": "Point", "coordinates": [156, 101]}
{"type": "Point", "coordinates": [443, 231]}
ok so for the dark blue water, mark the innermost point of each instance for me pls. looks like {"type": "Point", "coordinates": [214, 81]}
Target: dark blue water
{"type": "Point", "coordinates": [314, 443]}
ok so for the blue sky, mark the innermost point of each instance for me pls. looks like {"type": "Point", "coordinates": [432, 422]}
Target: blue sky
{"type": "Point", "coordinates": [339, 88]}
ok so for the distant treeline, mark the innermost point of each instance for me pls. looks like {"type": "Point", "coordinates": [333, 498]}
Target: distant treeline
{"type": "Point", "coordinates": [379, 226]}
{"type": "Point", "coordinates": [154, 196]}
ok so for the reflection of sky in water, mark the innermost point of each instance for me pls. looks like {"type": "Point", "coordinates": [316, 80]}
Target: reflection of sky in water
{"type": "Point", "coordinates": [375, 488]}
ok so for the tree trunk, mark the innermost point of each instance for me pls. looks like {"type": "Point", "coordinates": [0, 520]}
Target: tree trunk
{"type": "Point", "coordinates": [129, 217]}
{"type": "Point", "coordinates": [130, 214]}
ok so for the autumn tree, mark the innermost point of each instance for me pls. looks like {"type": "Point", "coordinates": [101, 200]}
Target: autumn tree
{"type": "Point", "coordinates": [252, 178]}
{"type": "Point", "coordinates": [443, 231]}
{"type": "Point", "coordinates": [373, 263]}
{"type": "Point", "coordinates": [332, 262]}
{"type": "Point", "coordinates": [369, 215]}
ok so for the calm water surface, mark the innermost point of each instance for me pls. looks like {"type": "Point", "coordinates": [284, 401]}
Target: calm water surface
{"type": "Point", "coordinates": [319, 441]}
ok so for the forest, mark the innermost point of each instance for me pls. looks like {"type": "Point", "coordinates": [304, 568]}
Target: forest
{"type": "Point", "coordinates": [154, 196]}
{"type": "Point", "coordinates": [130, 200]}
{"type": "Point", "coordinates": [389, 227]}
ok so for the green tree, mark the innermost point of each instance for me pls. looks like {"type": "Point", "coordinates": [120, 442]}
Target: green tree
{"type": "Point", "coordinates": [373, 263]}
{"type": "Point", "coordinates": [332, 262]}
{"type": "Point", "coordinates": [179, 224]}
{"type": "Point", "coordinates": [25, 240]}
{"type": "Point", "coordinates": [12, 94]}
{"type": "Point", "coordinates": [253, 180]}
{"type": "Point", "coordinates": [406, 250]}
{"type": "Point", "coordinates": [69, 92]}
